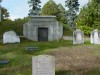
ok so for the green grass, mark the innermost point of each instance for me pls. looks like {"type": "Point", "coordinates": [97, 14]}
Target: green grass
{"type": "Point", "coordinates": [20, 59]}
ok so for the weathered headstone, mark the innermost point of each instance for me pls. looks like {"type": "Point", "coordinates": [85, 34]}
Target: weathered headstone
{"type": "Point", "coordinates": [95, 37]}
{"type": "Point", "coordinates": [10, 37]}
{"type": "Point", "coordinates": [78, 37]}
{"type": "Point", "coordinates": [43, 65]}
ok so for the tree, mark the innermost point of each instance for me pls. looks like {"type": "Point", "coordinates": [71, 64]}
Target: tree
{"type": "Point", "coordinates": [35, 7]}
{"type": "Point", "coordinates": [16, 25]}
{"type": "Point", "coordinates": [89, 17]}
{"type": "Point", "coordinates": [50, 8]}
{"type": "Point", "coordinates": [86, 16]}
{"type": "Point", "coordinates": [73, 7]}
{"type": "Point", "coordinates": [97, 10]}
{"type": "Point", "coordinates": [61, 15]}
{"type": "Point", "coordinates": [4, 13]}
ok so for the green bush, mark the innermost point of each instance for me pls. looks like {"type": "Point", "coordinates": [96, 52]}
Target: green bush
{"type": "Point", "coordinates": [16, 25]}
{"type": "Point", "coordinates": [86, 30]}
{"type": "Point", "coordinates": [67, 31]}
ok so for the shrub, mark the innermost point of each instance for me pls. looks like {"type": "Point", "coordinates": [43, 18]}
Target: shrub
{"type": "Point", "coordinates": [86, 30]}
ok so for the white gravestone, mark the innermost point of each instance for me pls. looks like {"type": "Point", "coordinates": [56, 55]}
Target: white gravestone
{"type": "Point", "coordinates": [10, 37]}
{"type": "Point", "coordinates": [43, 65]}
{"type": "Point", "coordinates": [78, 37]}
{"type": "Point", "coordinates": [95, 37]}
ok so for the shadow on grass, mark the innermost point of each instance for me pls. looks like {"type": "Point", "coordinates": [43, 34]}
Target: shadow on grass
{"type": "Point", "coordinates": [88, 72]}
{"type": "Point", "coordinates": [62, 73]}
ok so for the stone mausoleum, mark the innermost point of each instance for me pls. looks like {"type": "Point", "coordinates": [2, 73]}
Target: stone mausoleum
{"type": "Point", "coordinates": [43, 28]}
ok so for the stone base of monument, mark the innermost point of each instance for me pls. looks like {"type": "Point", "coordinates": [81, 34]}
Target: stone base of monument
{"type": "Point", "coordinates": [43, 28]}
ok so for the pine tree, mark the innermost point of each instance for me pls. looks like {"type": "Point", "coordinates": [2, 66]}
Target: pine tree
{"type": "Point", "coordinates": [73, 7]}
{"type": "Point", "coordinates": [36, 8]}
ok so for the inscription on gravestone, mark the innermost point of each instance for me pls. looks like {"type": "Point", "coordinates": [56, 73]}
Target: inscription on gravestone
{"type": "Point", "coordinates": [43, 65]}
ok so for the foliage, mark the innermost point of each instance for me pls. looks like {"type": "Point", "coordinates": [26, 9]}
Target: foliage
{"type": "Point", "coordinates": [7, 24]}
{"type": "Point", "coordinates": [73, 7]}
{"type": "Point", "coordinates": [67, 31]}
{"type": "Point", "coordinates": [86, 30]}
{"type": "Point", "coordinates": [61, 15]}
{"type": "Point", "coordinates": [35, 7]}
{"type": "Point", "coordinates": [89, 16]}
{"type": "Point", "coordinates": [16, 25]}
{"type": "Point", "coordinates": [4, 13]}
{"type": "Point", "coordinates": [50, 8]}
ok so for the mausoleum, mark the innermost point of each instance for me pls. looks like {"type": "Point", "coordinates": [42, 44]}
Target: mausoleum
{"type": "Point", "coordinates": [43, 28]}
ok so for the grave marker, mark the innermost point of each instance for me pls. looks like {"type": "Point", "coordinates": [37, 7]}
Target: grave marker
{"type": "Point", "coordinates": [43, 65]}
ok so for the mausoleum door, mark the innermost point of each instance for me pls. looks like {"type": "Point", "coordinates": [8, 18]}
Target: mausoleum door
{"type": "Point", "coordinates": [42, 34]}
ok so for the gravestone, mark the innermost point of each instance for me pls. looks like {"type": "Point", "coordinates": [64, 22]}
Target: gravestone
{"type": "Point", "coordinates": [43, 65]}
{"type": "Point", "coordinates": [95, 37]}
{"type": "Point", "coordinates": [33, 48]}
{"type": "Point", "coordinates": [10, 37]}
{"type": "Point", "coordinates": [78, 37]}
{"type": "Point", "coordinates": [4, 61]}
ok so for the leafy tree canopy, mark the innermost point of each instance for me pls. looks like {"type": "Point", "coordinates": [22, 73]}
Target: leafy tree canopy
{"type": "Point", "coordinates": [89, 16]}
{"type": "Point", "coordinates": [61, 15]}
{"type": "Point", "coordinates": [4, 13]}
{"type": "Point", "coordinates": [50, 8]}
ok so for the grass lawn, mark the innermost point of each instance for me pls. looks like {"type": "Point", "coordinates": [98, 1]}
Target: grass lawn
{"type": "Point", "coordinates": [20, 59]}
